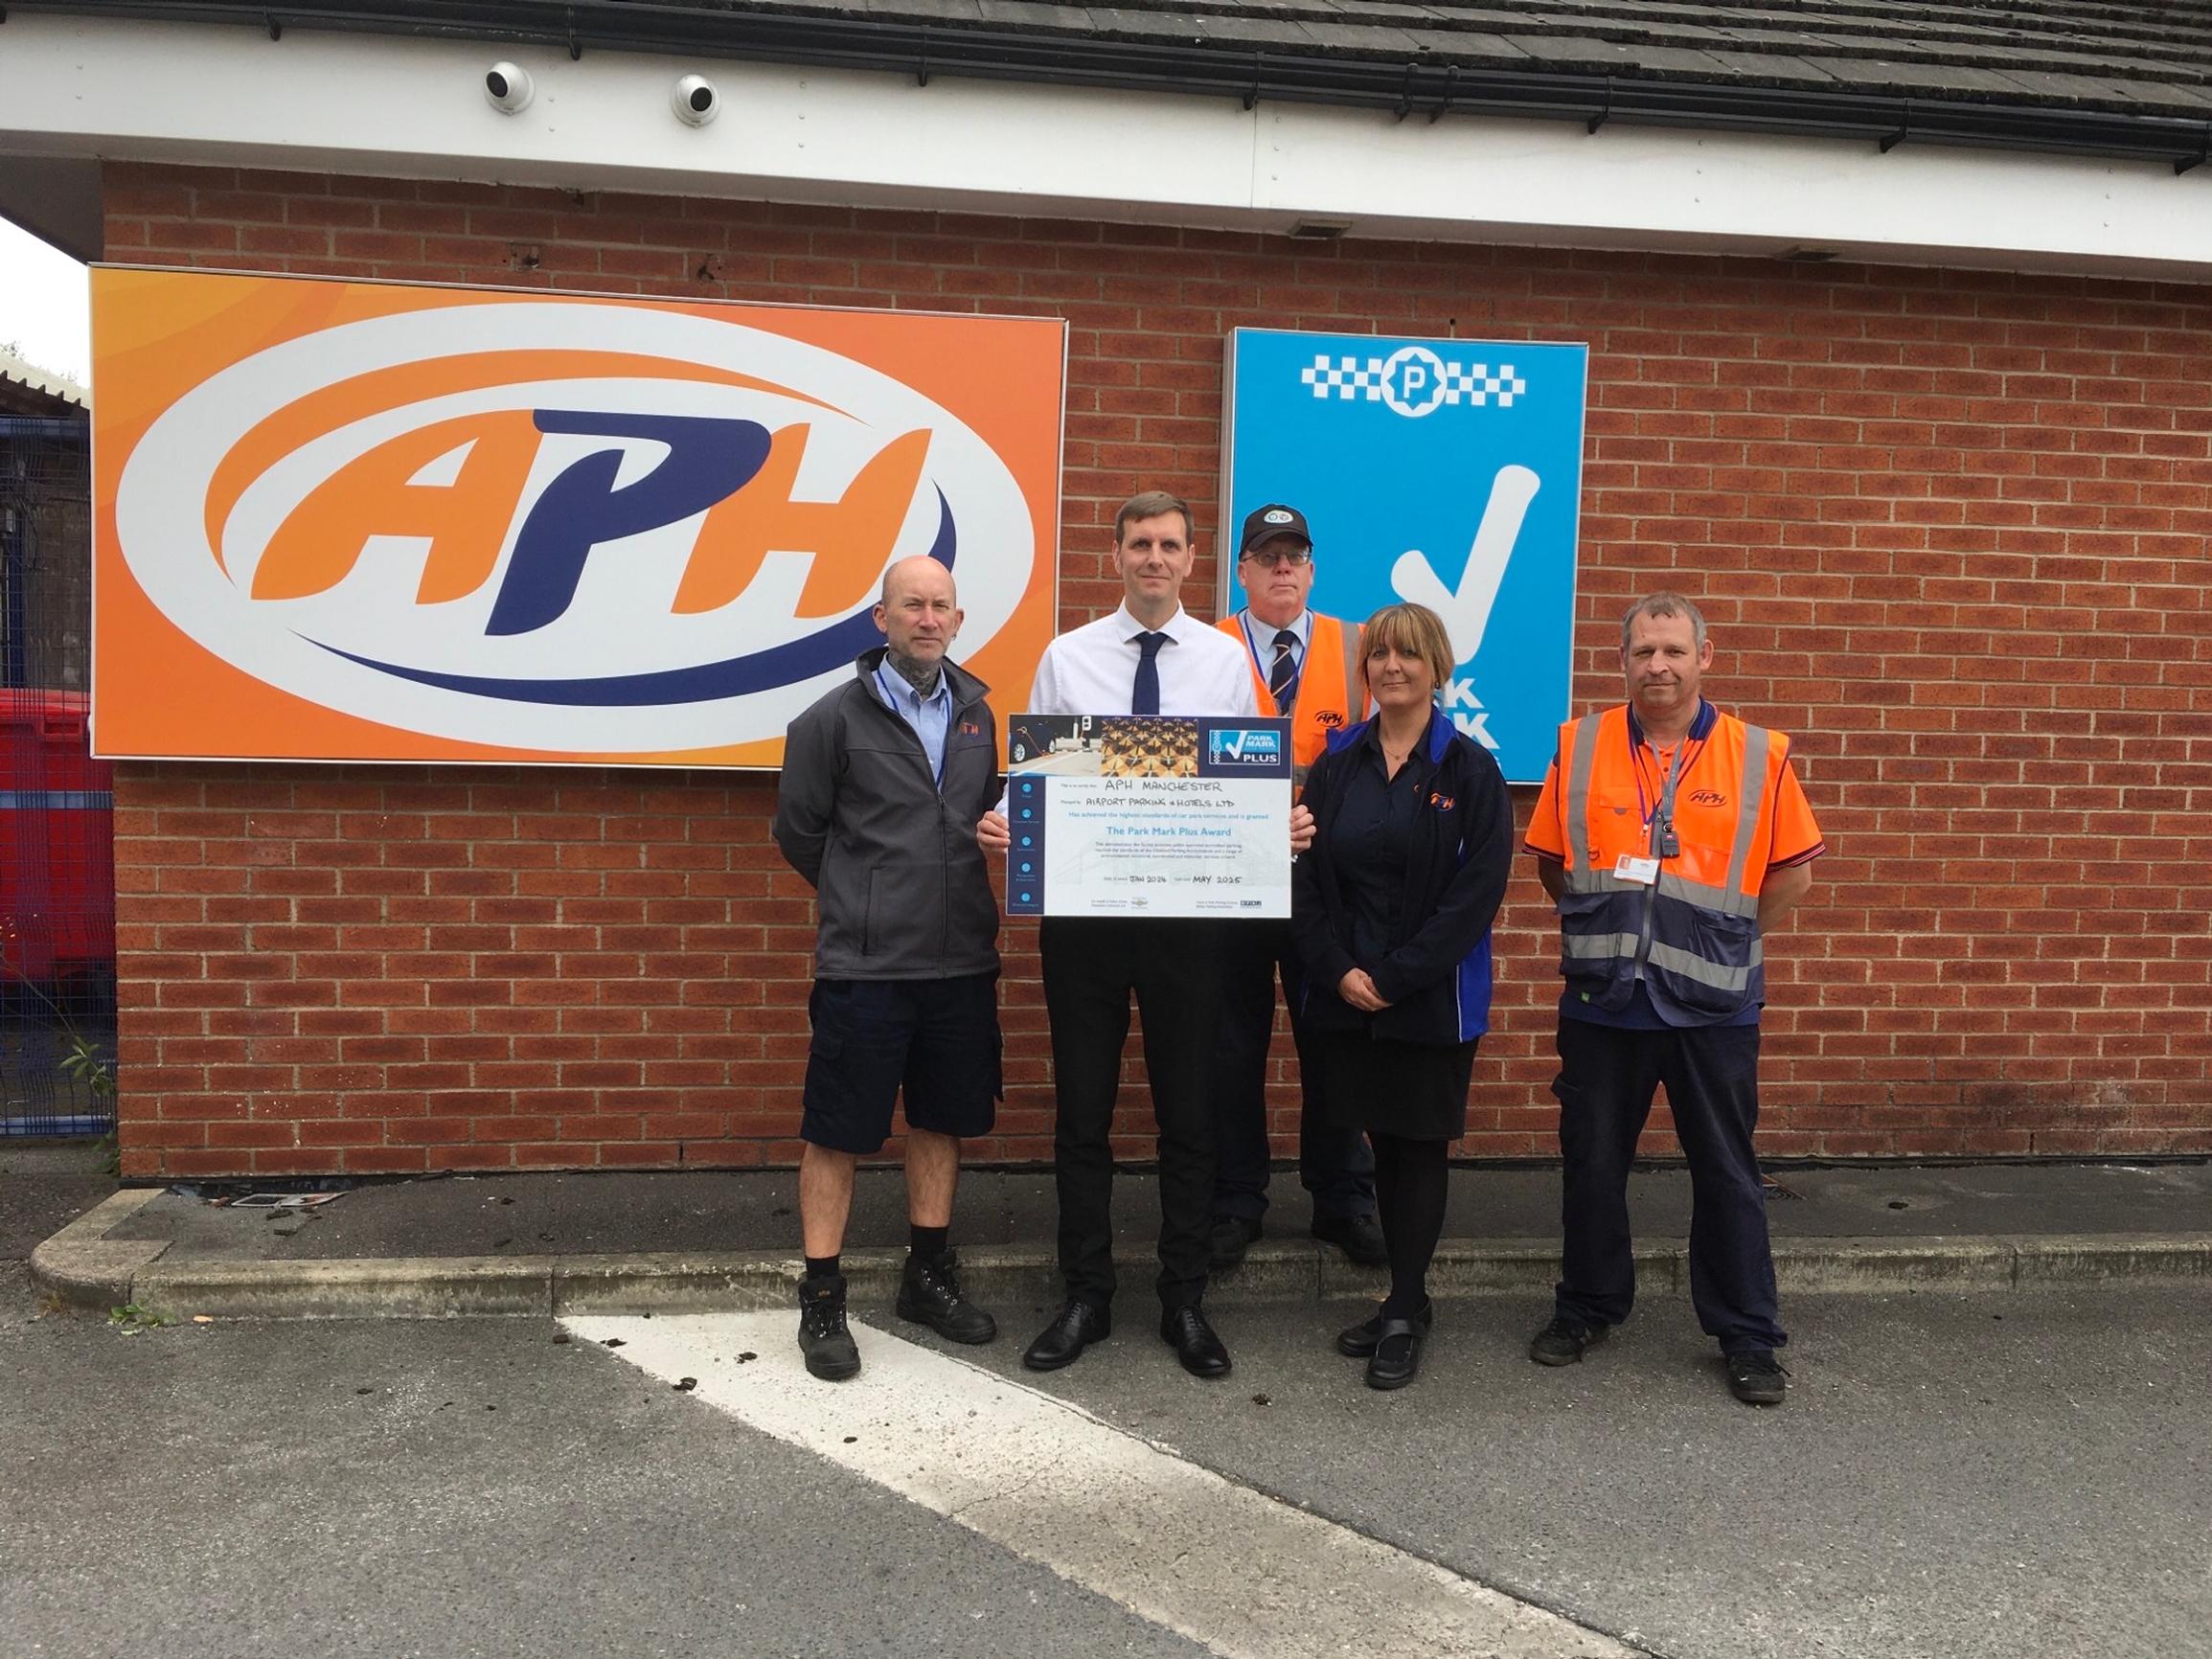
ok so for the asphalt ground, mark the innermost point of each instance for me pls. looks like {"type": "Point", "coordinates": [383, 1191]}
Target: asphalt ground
{"type": "Point", "coordinates": [2021, 1473]}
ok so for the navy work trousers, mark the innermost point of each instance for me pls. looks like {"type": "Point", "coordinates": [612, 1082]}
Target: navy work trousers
{"type": "Point", "coordinates": [1334, 1165]}
{"type": "Point", "coordinates": [1605, 1084]}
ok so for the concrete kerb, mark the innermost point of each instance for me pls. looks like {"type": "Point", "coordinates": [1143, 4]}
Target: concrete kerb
{"type": "Point", "coordinates": [85, 1268]}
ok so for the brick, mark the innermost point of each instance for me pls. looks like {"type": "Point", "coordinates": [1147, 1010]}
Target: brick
{"type": "Point", "coordinates": [1946, 524]}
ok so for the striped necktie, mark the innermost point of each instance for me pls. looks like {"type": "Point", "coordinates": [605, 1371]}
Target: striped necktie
{"type": "Point", "coordinates": [1283, 677]}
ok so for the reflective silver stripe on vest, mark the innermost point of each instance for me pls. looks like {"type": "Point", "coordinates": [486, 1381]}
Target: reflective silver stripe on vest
{"type": "Point", "coordinates": [1727, 902]}
{"type": "Point", "coordinates": [1599, 881]}
{"type": "Point", "coordinates": [1696, 967]}
{"type": "Point", "coordinates": [1599, 945]}
{"type": "Point", "coordinates": [1749, 793]}
{"type": "Point", "coordinates": [1581, 763]}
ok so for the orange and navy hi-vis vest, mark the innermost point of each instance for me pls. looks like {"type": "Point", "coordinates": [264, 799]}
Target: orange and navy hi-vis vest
{"type": "Point", "coordinates": [1692, 933]}
{"type": "Point", "coordinates": [1328, 682]}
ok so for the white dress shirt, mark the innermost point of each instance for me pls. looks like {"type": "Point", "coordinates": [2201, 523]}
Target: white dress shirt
{"type": "Point", "coordinates": [1093, 670]}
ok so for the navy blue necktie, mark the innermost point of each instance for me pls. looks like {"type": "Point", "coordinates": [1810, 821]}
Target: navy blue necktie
{"type": "Point", "coordinates": [1146, 698]}
{"type": "Point", "coordinates": [1283, 677]}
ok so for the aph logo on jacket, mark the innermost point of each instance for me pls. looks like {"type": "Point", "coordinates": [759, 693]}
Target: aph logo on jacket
{"type": "Point", "coordinates": [1708, 797]}
{"type": "Point", "coordinates": [1441, 802]}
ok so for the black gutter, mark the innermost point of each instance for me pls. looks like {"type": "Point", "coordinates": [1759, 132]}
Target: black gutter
{"type": "Point", "coordinates": [1426, 88]}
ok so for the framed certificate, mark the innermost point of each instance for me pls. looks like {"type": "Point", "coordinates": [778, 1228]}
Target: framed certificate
{"type": "Point", "coordinates": [1148, 815]}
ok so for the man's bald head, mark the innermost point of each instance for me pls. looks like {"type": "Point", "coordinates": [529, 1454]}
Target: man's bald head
{"type": "Point", "coordinates": [920, 616]}
{"type": "Point", "coordinates": [922, 569]}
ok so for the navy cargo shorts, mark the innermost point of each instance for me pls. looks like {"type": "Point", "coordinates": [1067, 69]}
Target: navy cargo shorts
{"type": "Point", "coordinates": [934, 1040]}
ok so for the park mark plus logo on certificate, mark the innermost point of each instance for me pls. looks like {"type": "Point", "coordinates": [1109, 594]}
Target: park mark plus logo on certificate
{"type": "Point", "coordinates": [1147, 814]}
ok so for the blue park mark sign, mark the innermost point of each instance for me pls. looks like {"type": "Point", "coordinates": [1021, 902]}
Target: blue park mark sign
{"type": "Point", "coordinates": [1446, 472]}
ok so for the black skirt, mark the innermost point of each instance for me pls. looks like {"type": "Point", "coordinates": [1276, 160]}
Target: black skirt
{"type": "Point", "coordinates": [1417, 1091]}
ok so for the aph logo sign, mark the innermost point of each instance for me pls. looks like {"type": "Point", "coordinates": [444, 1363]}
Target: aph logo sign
{"type": "Point", "coordinates": [544, 528]}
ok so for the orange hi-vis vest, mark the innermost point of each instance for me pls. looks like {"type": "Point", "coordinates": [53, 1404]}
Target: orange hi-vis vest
{"type": "Point", "coordinates": [1690, 930]}
{"type": "Point", "coordinates": [1327, 681]}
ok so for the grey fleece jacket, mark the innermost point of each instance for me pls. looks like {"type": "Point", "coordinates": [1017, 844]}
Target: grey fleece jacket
{"type": "Point", "coordinates": [901, 885]}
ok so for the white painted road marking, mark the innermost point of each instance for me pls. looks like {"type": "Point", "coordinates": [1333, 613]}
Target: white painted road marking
{"type": "Point", "coordinates": [1102, 1508]}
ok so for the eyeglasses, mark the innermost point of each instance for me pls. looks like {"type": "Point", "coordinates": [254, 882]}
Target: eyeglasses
{"type": "Point", "coordinates": [1294, 557]}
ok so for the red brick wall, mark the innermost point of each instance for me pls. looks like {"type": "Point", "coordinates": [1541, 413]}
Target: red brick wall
{"type": "Point", "coordinates": [1948, 527]}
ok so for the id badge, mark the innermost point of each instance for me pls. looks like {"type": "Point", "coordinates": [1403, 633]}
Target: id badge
{"type": "Point", "coordinates": [1643, 871]}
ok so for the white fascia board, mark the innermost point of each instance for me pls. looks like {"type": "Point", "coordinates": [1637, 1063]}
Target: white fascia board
{"type": "Point", "coordinates": [390, 105]}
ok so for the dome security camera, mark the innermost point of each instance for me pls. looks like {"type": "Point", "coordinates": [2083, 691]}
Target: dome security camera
{"type": "Point", "coordinates": [507, 88]}
{"type": "Point", "coordinates": [696, 100]}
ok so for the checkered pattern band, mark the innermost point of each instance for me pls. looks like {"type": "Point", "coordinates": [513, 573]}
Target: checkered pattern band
{"type": "Point", "coordinates": [1474, 384]}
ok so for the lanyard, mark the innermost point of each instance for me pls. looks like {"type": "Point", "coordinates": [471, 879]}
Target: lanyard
{"type": "Point", "coordinates": [944, 691]}
{"type": "Point", "coordinates": [1660, 820]}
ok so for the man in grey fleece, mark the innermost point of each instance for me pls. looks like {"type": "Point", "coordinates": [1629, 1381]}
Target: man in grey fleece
{"type": "Point", "coordinates": [884, 782]}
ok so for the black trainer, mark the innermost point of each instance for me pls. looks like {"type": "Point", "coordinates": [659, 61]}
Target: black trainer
{"type": "Point", "coordinates": [1756, 1378]}
{"type": "Point", "coordinates": [1563, 1341]}
{"type": "Point", "coordinates": [929, 1294]}
{"type": "Point", "coordinates": [829, 1346]}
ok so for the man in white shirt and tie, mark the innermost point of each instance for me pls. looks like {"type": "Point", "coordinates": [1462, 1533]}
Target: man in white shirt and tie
{"type": "Point", "coordinates": [1149, 657]}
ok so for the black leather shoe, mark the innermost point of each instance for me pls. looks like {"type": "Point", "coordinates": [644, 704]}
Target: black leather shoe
{"type": "Point", "coordinates": [929, 1294]}
{"type": "Point", "coordinates": [1563, 1341]}
{"type": "Point", "coordinates": [1185, 1330]}
{"type": "Point", "coordinates": [1358, 1236]}
{"type": "Point", "coordinates": [831, 1354]}
{"type": "Point", "coordinates": [1397, 1354]}
{"type": "Point", "coordinates": [1357, 1341]}
{"type": "Point", "coordinates": [1073, 1328]}
{"type": "Point", "coordinates": [1231, 1237]}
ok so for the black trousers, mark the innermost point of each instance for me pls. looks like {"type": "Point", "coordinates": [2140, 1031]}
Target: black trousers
{"type": "Point", "coordinates": [1092, 965]}
{"type": "Point", "coordinates": [1604, 1087]}
{"type": "Point", "coordinates": [1334, 1165]}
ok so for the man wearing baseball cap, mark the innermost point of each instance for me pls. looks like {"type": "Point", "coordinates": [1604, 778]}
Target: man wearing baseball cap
{"type": "Point", "coordinates": [1305, 669]}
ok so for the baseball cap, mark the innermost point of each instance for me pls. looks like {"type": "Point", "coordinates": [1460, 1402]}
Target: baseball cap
{"type": "Point", "coordinates": [1263, 523]}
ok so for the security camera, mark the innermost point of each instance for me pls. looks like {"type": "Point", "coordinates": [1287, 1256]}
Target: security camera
{"type": "Point", "coordinates": [507, 87]}
{"type": "Point", "coordinates": [696, 100]}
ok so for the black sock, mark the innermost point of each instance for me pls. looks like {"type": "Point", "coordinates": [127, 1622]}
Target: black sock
{"type": "Point", "coordinates": [927, 1242]}
{"type": "Point", "coordinates": [822, 1266]}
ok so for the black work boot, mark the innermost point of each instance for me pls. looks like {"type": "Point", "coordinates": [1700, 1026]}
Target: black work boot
{"type": "Point", "coordinates": [929, 1294]}
{"type": "Point", "coordinates": [829, 1346]}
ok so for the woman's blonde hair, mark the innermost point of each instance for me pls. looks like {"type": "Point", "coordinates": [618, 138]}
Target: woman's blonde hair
{"type": "Point", "coordinates": [1412, 630]}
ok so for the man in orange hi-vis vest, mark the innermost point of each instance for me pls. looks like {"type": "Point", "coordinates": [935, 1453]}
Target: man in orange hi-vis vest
{"type": "Point", "coordinates": [1672, 837]}
{"type": "Point", "coordinates": [1305, 669]}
